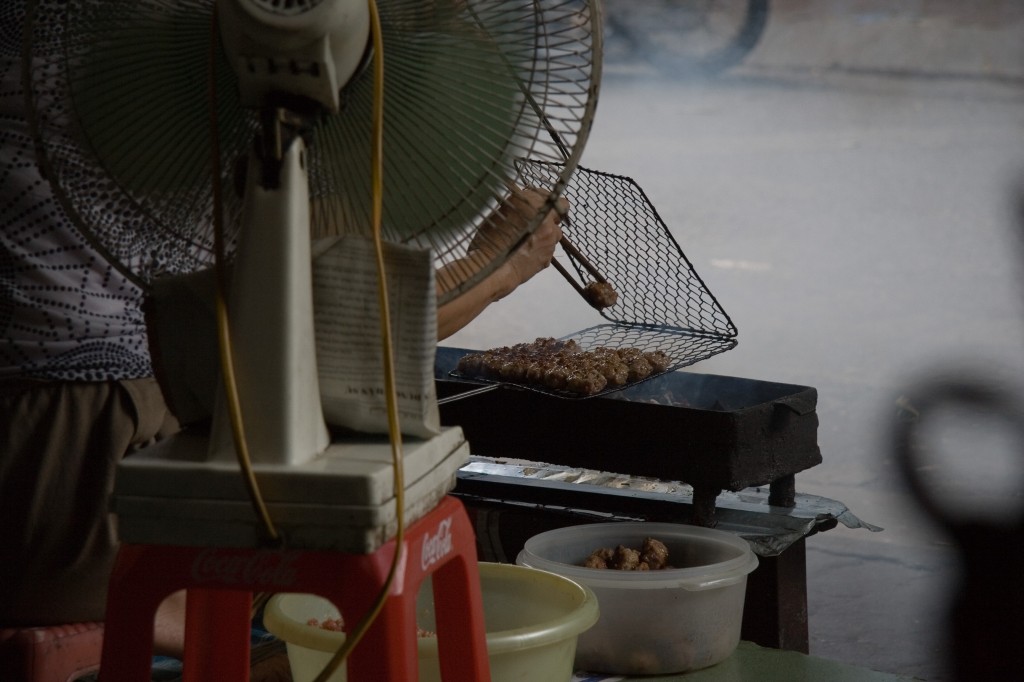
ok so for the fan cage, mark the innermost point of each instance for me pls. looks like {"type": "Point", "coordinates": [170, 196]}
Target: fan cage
{"type": "Point", "coordinates": [120, 101]}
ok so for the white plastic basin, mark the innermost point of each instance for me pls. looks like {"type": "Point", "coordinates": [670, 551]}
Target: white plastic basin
{"type": "Point", "coordinates": [653, 622]}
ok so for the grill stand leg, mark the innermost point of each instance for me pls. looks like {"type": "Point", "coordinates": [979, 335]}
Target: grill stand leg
{"type": "Point", "coordinates": [775, 611]}
{"type": "Point", "coordinates": [782, 492]}
{"type": "Point", "coordinates": [704, 506]}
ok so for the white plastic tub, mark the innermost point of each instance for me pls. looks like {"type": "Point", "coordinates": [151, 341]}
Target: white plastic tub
{"type": "Point", "coordinates": [653, 622]}
{"type": "Point", "coordinates": [309, 648]}
{"type": "Point", "coordinates": [533, 619]}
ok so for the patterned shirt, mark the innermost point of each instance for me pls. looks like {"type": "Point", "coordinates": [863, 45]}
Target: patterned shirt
{"type": "Point", "coordinates": [65, 312]}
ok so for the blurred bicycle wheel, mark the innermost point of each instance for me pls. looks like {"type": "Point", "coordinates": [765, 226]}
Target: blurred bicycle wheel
{"type": "Point", "coordinates": [684, 38]}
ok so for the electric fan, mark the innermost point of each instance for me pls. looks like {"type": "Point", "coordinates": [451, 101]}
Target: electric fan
{"type": "Point", "coordinates": [155, 123]}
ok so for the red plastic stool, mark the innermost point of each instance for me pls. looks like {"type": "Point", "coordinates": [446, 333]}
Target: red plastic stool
{"type": "Point", "coordinates": [220, 583]}
{"type": "Point", "coordinates": [56, 653]}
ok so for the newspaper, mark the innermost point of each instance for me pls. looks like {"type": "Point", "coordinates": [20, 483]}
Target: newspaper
{"type": "Point", "coordinates": [349, 345]}
{"type": "Point", "coordinates": [182, 329]}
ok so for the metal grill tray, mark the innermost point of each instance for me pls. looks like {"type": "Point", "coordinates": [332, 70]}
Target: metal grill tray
{"type": "Point", "coordinates": [683, 347]}
{"type": "Point", "coordinates": [662, 304]}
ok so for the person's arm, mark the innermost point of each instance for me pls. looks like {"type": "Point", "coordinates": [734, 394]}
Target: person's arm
{"type": "Point", "coordinates": [532, 256]}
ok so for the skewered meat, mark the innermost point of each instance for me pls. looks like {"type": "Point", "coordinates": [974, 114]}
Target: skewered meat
{"type": "Point", "coordinates": [652, 556]}
{"type": "Point", "coordinates": [338, 625]}
{"type": "Point", "coordinates": [654, 553]}
{"type": "Point", "coordinates": [599, 558]}
{"type": "Point", "coordinates": [659, 360]}
{"type": "Point", "coordinates": [556, 378]}
{"type": "Point", "coordinates": [332, 624]}
{"type": "Point", "coordinates": [600, 295]}
{"type": "Point", "coordinates": [615, 372]}
{"type": "Point", "coordinates": [564, 366]}
{"type": "Point", "coordinates": [626, 559]}
{"type": "Point", "coordinates": [586, 381]}
{"type": "Point", "coordinates": [639, 368]}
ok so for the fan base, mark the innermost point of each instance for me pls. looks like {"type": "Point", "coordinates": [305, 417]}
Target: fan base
{"type": "Point", "coordinates": [343, 500]}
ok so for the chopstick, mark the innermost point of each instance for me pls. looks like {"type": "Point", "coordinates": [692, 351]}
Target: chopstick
{"type": "Point", "coordinates": [571, 249]}
{"type": "Point", "coordinates": [467, 394]}
{"type": "Point", "coordinates": [591, 293]}
{"type": "Point", "coordinates": [568, 277]}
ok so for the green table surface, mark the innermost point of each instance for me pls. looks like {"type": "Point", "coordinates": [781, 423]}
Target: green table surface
{"type": "Point", "coordinates": [752, 663]}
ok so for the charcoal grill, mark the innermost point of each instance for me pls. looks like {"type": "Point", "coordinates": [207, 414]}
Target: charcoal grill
{"type": "Point", "coordinates": [713, 432]}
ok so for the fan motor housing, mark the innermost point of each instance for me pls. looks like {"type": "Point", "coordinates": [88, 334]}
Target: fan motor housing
{"type": "Point", "coordinates": [309, 49]}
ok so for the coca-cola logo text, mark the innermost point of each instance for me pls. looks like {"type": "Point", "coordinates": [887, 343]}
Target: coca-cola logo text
{"type": "Point", "coordinates": [436, 546]}
{"type": "Point", "coordinates": [258, 569]}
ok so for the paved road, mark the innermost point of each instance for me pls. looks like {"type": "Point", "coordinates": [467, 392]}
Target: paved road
{"type": "Point", "coordinates": [848, 196]}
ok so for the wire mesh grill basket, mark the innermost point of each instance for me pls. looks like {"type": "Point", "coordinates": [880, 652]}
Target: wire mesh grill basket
{"type": "Point", "coordinates": [662, 304]}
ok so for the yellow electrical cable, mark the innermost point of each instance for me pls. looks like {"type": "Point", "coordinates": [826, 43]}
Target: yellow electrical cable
{"type": "Point", "coordinates": [353, 636]}
{"type": "Point", "coordinates": [223, 330]}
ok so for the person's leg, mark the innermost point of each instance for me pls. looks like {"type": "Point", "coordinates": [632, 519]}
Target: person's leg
{"type": "Point", "coordinates": [60, 443]}
{"type": "Point", "coordinates": [59, 448]}
{"type": "Point", "coordinates": [169, 626]}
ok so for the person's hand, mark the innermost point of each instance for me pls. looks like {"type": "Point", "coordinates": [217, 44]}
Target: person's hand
{"type": "Point", "coordinates": [536, 251]}
{"type": "Point", "coordinates": [494, 237]}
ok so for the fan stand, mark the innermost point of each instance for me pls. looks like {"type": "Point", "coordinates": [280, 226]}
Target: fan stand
{"type": "Point", "coordinates": [188, 490]}
{"type": "Point", "coordinates": [343, 500]}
